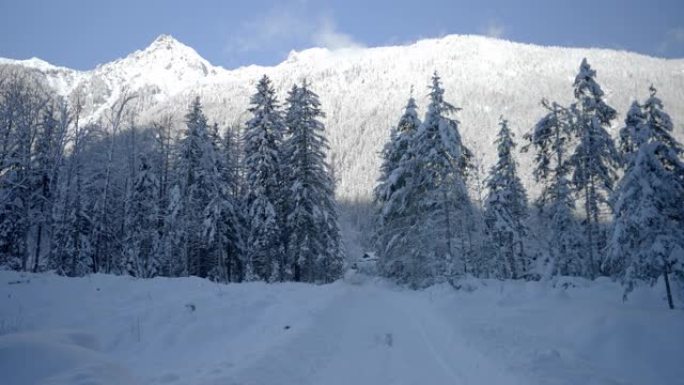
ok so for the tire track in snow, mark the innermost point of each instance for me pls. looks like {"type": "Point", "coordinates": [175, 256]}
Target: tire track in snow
{"type": "Point", "coordinates": [371, 335]}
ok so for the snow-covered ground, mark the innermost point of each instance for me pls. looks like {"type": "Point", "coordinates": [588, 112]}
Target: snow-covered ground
{"type": "Point", "coordinates": [119, 330]}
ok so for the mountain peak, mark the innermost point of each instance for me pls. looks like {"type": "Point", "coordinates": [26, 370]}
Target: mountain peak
{"type": "Point", "coordinates": [166, 65]}
{"type": "Point", "coordinates": [167, 45]}
{"type": "Point", "coordinates": [165, 41]}
{"type": "Point", "coordinates": [166, 54]}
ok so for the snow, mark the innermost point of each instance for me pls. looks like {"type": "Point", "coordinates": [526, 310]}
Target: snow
{"type": "Point", "coordinates": [119, 330]}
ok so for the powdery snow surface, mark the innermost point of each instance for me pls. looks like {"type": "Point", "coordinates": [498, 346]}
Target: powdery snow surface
{"type": "Point", "coordinates": [119, 330]}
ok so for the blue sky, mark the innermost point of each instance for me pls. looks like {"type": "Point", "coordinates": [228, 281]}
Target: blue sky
{"type": "Point", "coordinates": [82, 33]}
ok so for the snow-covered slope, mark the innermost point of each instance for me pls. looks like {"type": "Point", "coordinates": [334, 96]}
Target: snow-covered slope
{"type": "Point", "coordinates": [363, 90]}
{"type": "Point", "coordinates": [118, 330]}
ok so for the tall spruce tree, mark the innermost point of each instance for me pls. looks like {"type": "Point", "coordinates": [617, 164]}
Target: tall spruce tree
{"type": "Point", "coordinates": [506, 211]}
{"type": "Point", "coordinates": [314, 236]}
{"type": "Point", "coordinates": [630, 133]}
{"type": "Point", "coordinates": [551, 137]}
{"type": "Point", "coordinates": [647, 240]}
{"type": "Point", "coordinates": [142, 250]}
{"type": "Point", "coordinates": [263, 137]}
{"type": "Point", "coordinates": [392, 222]}
{"type": "Point", "coordinates": [198, 190]}
{"type": "Point", "coordinates": [594, 159]}
{"type": "Point", "coordinates": [223, 222]}
{"type": "Point", "coordinates": [438, 202]}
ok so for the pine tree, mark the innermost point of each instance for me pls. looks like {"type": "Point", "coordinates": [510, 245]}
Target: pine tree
{"type": "Point", "coordinates": [222, 216]}
{"type": "Point", "coordinates": [392, 223]}
{"type": "Point", "coordinates": [630, 138]}
{"type": "Point", "coordinates": [647, 240]}
{"type": "Point", "coordinates": [164, 150]}
{"type": "Point", "coordinates": [629, 134]}
{"type": "Point", "coordinates": [262, 165]}
{"type": "Point", "coordinates": [594, 159]}
{"type": "Point", "coordinates": [436, 202]}
{"type": "Point", "coordinates": [196, 165]}
{"type": "Point", "coordinates": [314, 237]}
{"type": "Point", "coordinates": [506, 210]}
{"type": "Point", "coordinates": [551, 137]}
{"type": "Point", "coordinates": [143, 246]}
{"type": "Point", "coordinates": [232, 177]}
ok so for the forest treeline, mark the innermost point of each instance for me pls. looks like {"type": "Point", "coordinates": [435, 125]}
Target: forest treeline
{"type": "Point", "coordinates": [257, 202]}
{"type": "Point", "coordinates": [206, 201]}
{"type": "Point", "coordinates": [608, 206]}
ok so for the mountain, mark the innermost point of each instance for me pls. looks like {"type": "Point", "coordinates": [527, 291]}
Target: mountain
{"type": "Point", "coordinates": [363, 90]}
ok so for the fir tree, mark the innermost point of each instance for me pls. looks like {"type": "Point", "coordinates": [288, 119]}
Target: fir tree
{"type": "Point", "coordinates": [647, 241]}
{"type": "Point", "coordinates": [630, 133]}
{"type": "Point", "coordinates": [314, 238]}
{"type": "Point", "coordinates": [506, 210]}
{"type": "Point", "coordinates": [436, 202]}
{"type": "Point", "coordinates": [594, 159]}
{"type": "Point", "coordinates": [262, 166]}
{"type": "Point", "coordinates": [143, 242]}
{"type": "Point", "coordinates": [550, 138]}
{"type": "Point", "coordinates": [200, 194]}
{"type": "Point", "coordinates": [392, 224]}
{"type": "Point", "coordinates": [223, 221]}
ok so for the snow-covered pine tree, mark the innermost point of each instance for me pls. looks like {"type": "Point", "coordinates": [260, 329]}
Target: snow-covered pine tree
{"type": "Point", "coordinates": [291, 269]}
{"type": "Point", "coordinates": [443, 213]}
{"type": "Point", "coordinates": [223, 228]}
{"type": "Point", "coordinates": [629, 134]}
{"type": "Point", "coordinates": [314, 238]}
{"type": "Point", "coordinates": [142, 249]}
{"type": "Point", "coordinates": [647, 241]}
{"type": "Point", "coordinates": [630, 138]}
{"type": "Point", "coordinates": [163, 149]}
{"type": "Point", "coordinates": [195, 166]}
{"type": "Point", "coordinates": [506, 211]}
{"type": "Point", "coordinates": [230, 153]}
{"type": "Point", "coordinates": [550, 138]}
{"type": "Point", "coordinates": [391, 219]}
{"type": "Point", "coordinates": [594, 160]}
{"type": "Point", "coordinates": [262, 166]}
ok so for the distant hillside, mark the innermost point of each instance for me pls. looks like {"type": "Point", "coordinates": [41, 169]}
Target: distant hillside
{"type": "Point", "coordinates": [363, 91]}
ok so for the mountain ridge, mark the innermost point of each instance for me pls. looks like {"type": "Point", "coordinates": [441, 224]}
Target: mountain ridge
{"type": "Point", "coordinates": [363, 90]}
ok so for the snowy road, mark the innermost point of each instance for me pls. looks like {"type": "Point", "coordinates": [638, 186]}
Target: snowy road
{"type": "Point", "coordinates": [116, 330]}
{"type": "Point", "coordinates": [373, 336]}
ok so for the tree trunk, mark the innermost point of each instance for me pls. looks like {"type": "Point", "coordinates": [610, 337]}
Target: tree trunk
{"type": "Point", "coordinates": [667, 285]}
{"type": "Point", "coordinates": [590, 234]}
{"type": "Point", "coordinates": [39, 240]}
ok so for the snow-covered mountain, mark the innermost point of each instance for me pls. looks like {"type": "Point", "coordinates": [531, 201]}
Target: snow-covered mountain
{"type": "Point", "coordinates": [364, 90]}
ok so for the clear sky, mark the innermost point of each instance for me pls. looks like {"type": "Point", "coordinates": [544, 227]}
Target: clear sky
{"type": "Point", "coordinates": [82, 33]}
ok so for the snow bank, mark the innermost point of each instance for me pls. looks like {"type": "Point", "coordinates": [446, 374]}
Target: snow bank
{"type": "Point", "coordinates": [57, 358]}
